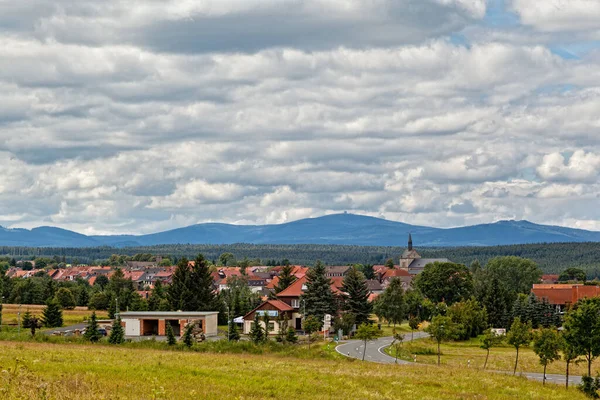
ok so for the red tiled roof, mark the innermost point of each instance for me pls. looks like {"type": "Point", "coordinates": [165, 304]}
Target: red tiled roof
{"type": "Point", "coordinates": [390, 273]}
{"type": "Point", "coordinates": [294, 290]}
{"type": "Point", "coordinates": [273, 283]}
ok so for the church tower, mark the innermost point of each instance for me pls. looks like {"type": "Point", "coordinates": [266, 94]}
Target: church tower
{"type": "Point", "coordinates": [409, 255]}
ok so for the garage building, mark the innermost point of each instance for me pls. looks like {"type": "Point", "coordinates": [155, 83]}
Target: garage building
{"type": "Point", "coordinates": [154, 323]}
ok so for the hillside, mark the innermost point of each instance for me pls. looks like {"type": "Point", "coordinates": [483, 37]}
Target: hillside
{"type": "Point", "coordinates": [336, 229]}
{"type": "Point", "coordinates": [60, 371]}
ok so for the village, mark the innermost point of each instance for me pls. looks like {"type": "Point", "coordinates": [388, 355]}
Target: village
{"type": "Point", "coordinates": [283, 306]}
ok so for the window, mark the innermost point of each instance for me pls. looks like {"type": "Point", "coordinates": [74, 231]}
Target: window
{"type": "Point", "coordinates": [296, 303]}
{"type": "Point", "coordinates": [271, 326]}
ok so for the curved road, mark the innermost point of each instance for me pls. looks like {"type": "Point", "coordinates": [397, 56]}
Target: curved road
{"type": "Point", "coordinates": [375, 353]}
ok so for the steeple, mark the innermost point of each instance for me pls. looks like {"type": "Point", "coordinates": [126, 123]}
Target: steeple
{"type": "Point", "coordinates": [410, 247]}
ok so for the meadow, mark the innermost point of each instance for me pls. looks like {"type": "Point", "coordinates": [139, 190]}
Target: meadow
{"type": "Point", "coordinates": [70, 317]}
{"type": "Point", "coordinates": [76, 371]}
{"type": "Point", "coordinates": [502, 358]}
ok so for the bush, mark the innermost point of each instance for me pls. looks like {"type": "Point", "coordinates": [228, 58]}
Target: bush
{"type": "Point", "coordinates": [590, 386]}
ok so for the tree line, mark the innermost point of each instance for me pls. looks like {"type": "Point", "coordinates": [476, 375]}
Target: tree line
{"type": "Point", "coordinates": [550, 257]}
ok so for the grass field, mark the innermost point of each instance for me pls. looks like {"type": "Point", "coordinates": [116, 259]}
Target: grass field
{"type": "Point", "coordinates": [70, 317]}
{"type": "Point", "coordinates": [457, 354]}
{"type": "Point", "coordinates": [53, 371]}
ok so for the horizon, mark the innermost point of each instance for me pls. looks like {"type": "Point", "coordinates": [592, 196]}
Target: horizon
{"type": "Point", "coordinates": [289, 222]}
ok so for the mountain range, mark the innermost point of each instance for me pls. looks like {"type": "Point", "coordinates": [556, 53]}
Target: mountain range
{"type": "Point", "coordinates": [347, 229]}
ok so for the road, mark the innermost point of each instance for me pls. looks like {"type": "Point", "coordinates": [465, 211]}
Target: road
{"type": "Point", "coordinates": [375, 353]}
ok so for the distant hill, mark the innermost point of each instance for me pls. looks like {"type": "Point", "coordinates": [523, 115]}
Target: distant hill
{"type": "Point", "coordinates": [342, 229]}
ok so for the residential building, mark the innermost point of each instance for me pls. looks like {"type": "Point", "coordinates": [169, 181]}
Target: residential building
{"type": "Point", "coordinates": [566, 294]}
{"type": "Point", "coordinates": [277, 310]}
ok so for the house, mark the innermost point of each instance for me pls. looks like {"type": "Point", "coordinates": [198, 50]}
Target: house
{"type": "Point", "coordinates": [412, 262]}
{"type": "Point", "coordinates": [277, 311]}
{"type": "Point", "coordinates": [153, 323]}
{"type": "Point", "coordinates": [565, 294]}
{"type": "Point", "coordinates": [291, 296]}
{"type": "Point", "coordinates": [337, 271]}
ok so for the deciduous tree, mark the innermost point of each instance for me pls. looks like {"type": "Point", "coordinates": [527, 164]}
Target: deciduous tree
{"type": "Point", "coordinates": [366, 332]}
{"type": "Point", "coordinates": [582, 329]}
{"type": "Point", "coordinates": [489, 340]}
{"type": "Point", "coordinates": [445, 282]}
{"type": "Point", "coordinates": [441, 329]}
{"type": "Point", "coordinates": [546, 344]}
{"type": "Point", "coordinates": [519, 336]}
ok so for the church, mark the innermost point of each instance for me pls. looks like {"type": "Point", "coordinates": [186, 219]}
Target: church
{"type": "Point", "coordinates": [412, 262]}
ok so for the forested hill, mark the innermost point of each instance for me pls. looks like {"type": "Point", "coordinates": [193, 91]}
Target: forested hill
{"type": "Point", "coordinates": [552, 258]}
{"type": "Point", "coordinates": [336, 229]}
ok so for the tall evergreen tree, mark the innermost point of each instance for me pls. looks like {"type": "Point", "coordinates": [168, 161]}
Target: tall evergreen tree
{"type": "Point", "coordinates": [285, 279]}
{"type": "Point", "coordinates": [494, 298]}
{"type": "Point", "coordinates": [92, 332]}
{"type": "Point", "coordinates": [52, 316]}
{"type": "Point", "coordinates": [356, 297]}
{"type": "Point", "coordinates": [178, 292]}
{"type": "Point", "coordinates": [202, 289]}
{"type": "Point", "coordinates": [158, 298]}
{"type": "Point", "coordinates": [117, 333]}
{"type": "Point", "coordinates": [318, 297]}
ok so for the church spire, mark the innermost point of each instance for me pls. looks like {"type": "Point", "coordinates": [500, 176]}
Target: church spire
{"type": "Point", "coordinates": [410, 247]}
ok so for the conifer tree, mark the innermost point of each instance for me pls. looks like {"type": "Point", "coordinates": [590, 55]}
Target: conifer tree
{"type": "Point", "coordinates": [285, 279]}
{"type": "Point", "coordinates": [204, 297]}
{"type": "Point", "coordinates": [356, 297]}
{"type": "Point", "coordinates": [31, 322]}
{"type": "Point", "coordinates": [318, 297]}
{"type": "Point", "coordinates": [158, 298]}
{"type": "Point", "coordinates": [117, 333]}
{"type": "Point", "coordinates": [188, 338]}
{"type": "Point", "coordinates": [52, 316]}
{"type": "Point", "coordinates": [171, 341]}
{"type": "Point", "coordinates": [178, 291]}
{"type": "Point", "coordinates": [91, 331]}
{"type": "Point", "coordinates": [291, 336]}
{"type": "Point", "coordinates": [234, 333]}
{"type": "Point", "coordinates": [257, 333]}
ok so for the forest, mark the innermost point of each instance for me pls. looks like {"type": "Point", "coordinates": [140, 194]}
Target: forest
{"type": "Point", "coordinates": [550, 257]}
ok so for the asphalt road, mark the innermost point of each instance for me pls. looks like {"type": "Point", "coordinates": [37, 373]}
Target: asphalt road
{"type": "Point", "coordinates": [374, 353]}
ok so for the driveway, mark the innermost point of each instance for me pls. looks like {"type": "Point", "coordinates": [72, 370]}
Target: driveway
{"type": "Point", "coordinates": [375, 353]}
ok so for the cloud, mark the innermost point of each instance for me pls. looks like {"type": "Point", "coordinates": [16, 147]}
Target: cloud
{"type": "Point", "coordinates": [247, 26]}
{"type": "Point", "coordinates": [579, 167]}
{"type": "Point", "coordinates": [133, 117]}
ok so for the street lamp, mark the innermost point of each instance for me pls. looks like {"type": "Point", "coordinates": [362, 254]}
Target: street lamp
{"type": "Point", "coordinates": [303, 312]}
{"type": "Point", "coordinates": [228, 322]}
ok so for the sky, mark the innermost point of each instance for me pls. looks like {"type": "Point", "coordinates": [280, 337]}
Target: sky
{"type": "Point", "coordinates": [137, 116]}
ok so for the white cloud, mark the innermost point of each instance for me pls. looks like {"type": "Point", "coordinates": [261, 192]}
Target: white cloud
{"type": "Point", "coordinates": [136, 116]}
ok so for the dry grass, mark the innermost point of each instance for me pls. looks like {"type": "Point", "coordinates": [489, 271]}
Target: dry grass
{"type": "Point", "coordinates": [51, 371]}
{"type": "Point", "coordinates": [70, 317]}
